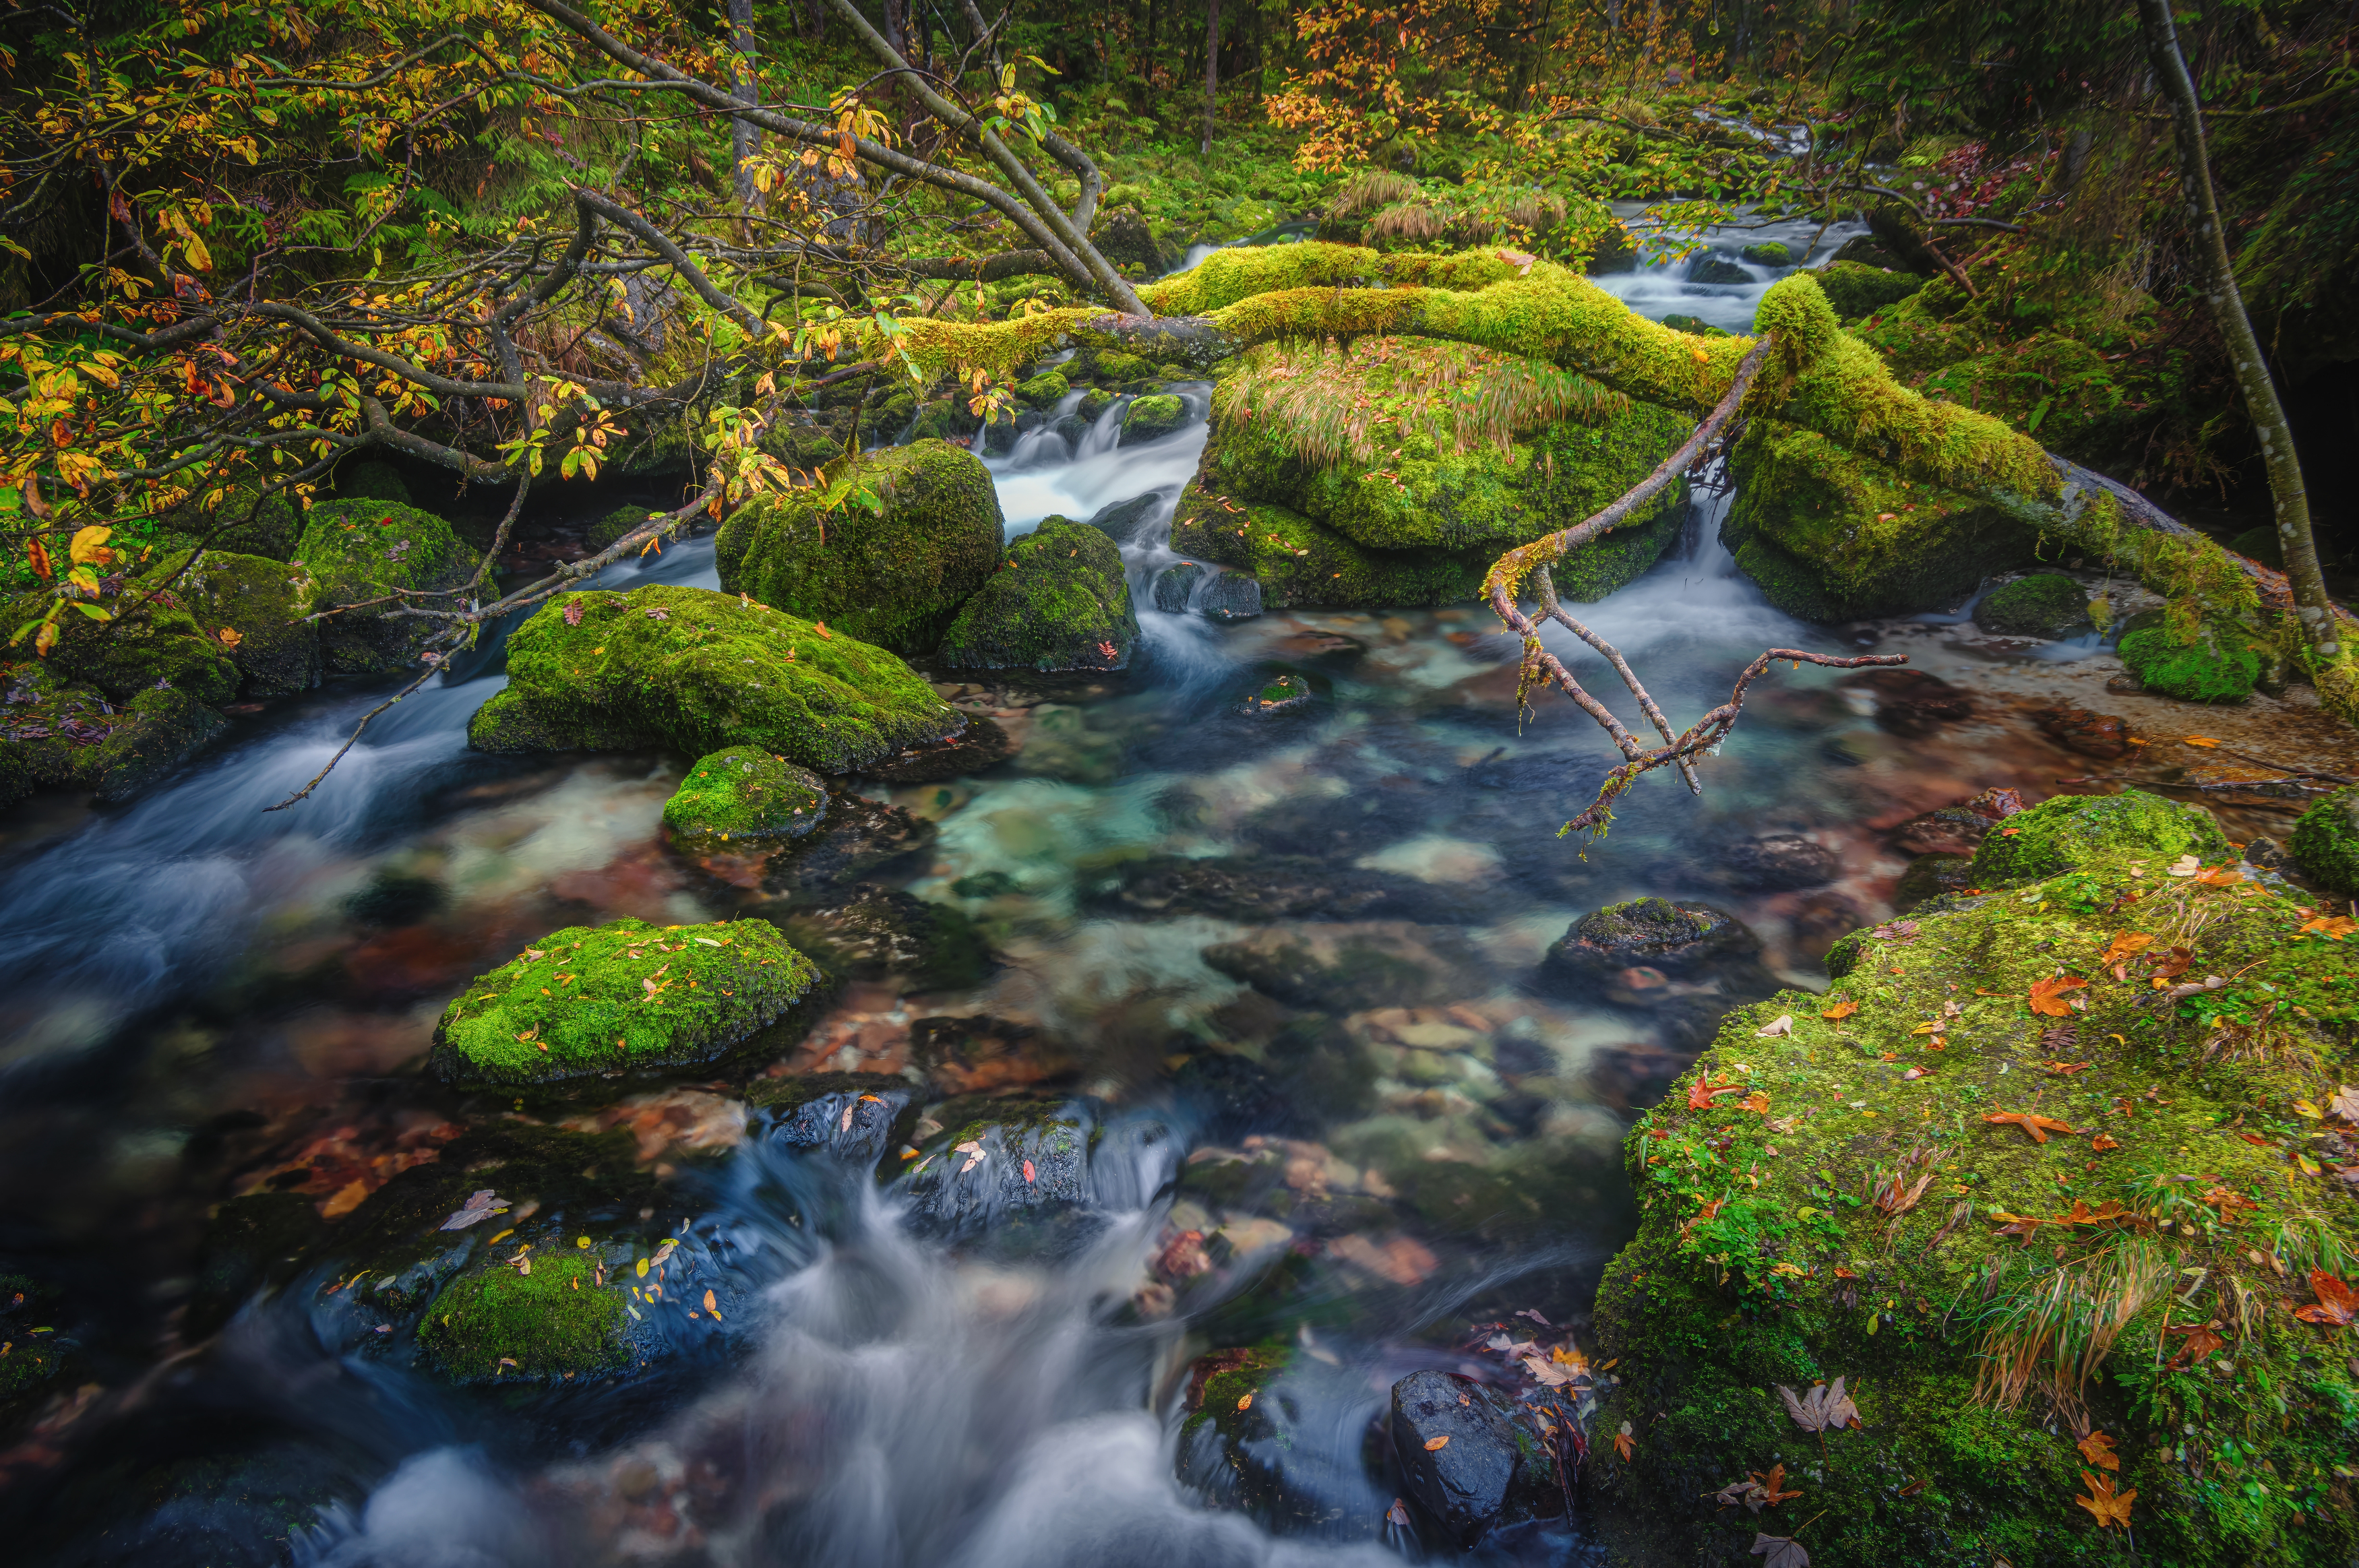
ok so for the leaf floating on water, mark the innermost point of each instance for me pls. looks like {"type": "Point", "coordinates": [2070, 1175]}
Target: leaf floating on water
{"type": "Point", "coordinates": [1436, 1445]}
{"type": "Point", "coordinates": [1824, 1408]}
{"type": "Point", "coordinates": [2199, 741]}
{"type": "Point", "coordinates": [709, 1305]}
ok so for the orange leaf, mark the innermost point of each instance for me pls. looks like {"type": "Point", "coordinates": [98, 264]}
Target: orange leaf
{"type": "Point", "coordinates": [1699, 1098]}
{"type": "Point", "coordinates": [2098, 1450]}
{"type": "Point", "coordinates": [821, 627]}
{"type": "Point", "coordinates": [2031, 1122]}
{"type": "Point", "coordinates": [2047, 995]}
{"type": "Point", "coordinates": [1435, 1444]}
{"type": "Point", "coordinates": [2200, 741]}
{"type": "Point", "coordinates": [2220, 877]}
{"type": "Point", "coordinates": [2122, 946]}
{"type": "Point", "coordinates": [2103, 1504]}
{"type": "Point", "coordinates": [1757, 1102]}
{"type": "Point", "coordinates": [2103, 1144]}
{"type": "Point", "coordinates": [1841, 1010]}
{"type": "Point", "coordinates": [2338, 1304]}
{"type": "Point", "coordinates": [1245, 1403]}
{"type": "Point", "coordinates": [1622, 1444]}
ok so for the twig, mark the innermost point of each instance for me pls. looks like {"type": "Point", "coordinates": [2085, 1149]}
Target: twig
{"type": "Point", "coordinates": [317, 779]}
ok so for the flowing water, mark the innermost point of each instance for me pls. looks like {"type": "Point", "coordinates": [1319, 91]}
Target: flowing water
{"type": "Point", "coordinates": [204, 998]}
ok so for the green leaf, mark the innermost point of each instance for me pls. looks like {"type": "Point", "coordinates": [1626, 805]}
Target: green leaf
{"type": "Point", "coordinates": [95, 613]}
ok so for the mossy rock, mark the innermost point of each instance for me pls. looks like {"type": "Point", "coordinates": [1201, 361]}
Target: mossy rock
{"type": "Point", "coordinates": [1301, 564]}
{"type": "Point", "coordinates": [1151, 418]}
{"type": "Point", "coordinates": [1856, 289]}
{"type": "Point", "coordinates": [696, 670]}
{"type": "Point", "coordinates": [2177, 1126]}
{"type": "Point", "coordinates": [892, 573]}
{"type": "Point", "coordinates": [362, 550]}
{"type": "Point", "coordinates": [369, 480]}
{"type": "Point", "coordinates": [625, 995]}
{"type": "Point", "coordinates": [944, 419]}
{"type": "Point", "coordinates": [1694, 326]}
{"type": "Point", "coordinates": [161, 730]}
{"type": "Point", "coordinates": [1767, 253]}
{"type": "Point", "coordinates": [161, 645]}
{"type": "Point", "coordinates": [1830, 535]}
{"type": "Point", "coordinates": [619, 523]}
{"type": "Point", "coordinates": [746, 796]}
{"type": "Point", "coordinates": [561, 1316]}
{"type": "Point", "coordinates": [61, 734]}
{"type": "Point", "coordinates": [2325, 843]}
{"type": "Point", "coordinates": [1059, 603]}
{"type": "Point", "coordinates": [2072, 830]}
{"type": "Point", "coordinates": [2220, 665]}
{"type": "Point", "coordinates": [2046, 604]}
{"type": "Point", "coordinates": [1120, 368]}
{"type": "Point", "coordinates": [261, 604]}
{"type": "Point", "coordinates": [2262, 545]}
{"type": "Point", "coordinates": [1043, 391]}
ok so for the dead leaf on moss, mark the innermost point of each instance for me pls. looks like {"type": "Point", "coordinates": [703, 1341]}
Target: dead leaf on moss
{"type": "Point", "coordinates": [1783, 1024]}
{"type": "Point", "coordinates": [2098, 1450]}
{"type": "Point", "coordinates": [2123, 946]}
{"type": "Point", "coordinates": [2345, 1106]}
{"type": "Point", "coordinates": [2338, 1304]}
{"type": "Point", "coordinates": [1622, 1444]}
{"type": "Point", "coordinates": [2048, 995]}
{"type": "Point", "coordinates": [1824, 1408]}
{"type": "Point", "coordinates": [2102, 1502]}
{"type": "Point", "coordinates": [1782, 1552]}
{"type": "Point", "coordinates": [2032, 1122]}
{"type": "Point", "coordinates": [1841, 1010]}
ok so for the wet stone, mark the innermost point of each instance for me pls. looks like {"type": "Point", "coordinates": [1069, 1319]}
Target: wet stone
{"type": "Point", "coordinates": [2104, 736]}
{"type": "Point", "coordinates": [1957, 829]}
{"type": "Point", "coordinates": [883, 933]}
{"type": "Point", "coordinates": [1174, 585]}
{"type": "Point", "coordinates": [1463, 1483]}
{"type": "Point", "coordinates": [982, 745]}
{"type": "Point", "coordinates": [1777, 862]}
{"type": "Point", "coordinates": [1910, 702]}
{"type": "Point", "coordinates": [1635, 1075]}
{"type": "Point", "coordinates": [1349, 968]}
{"type": "Point", "coordinates": [1930, 877]}
{"type": "Point", "coordinates": [1275, 888]}
{"type": "Point", "coordinates": [1230, 596]}
{"type": "Point", "coordinates": [1128, 521]}
{"type": "Point", "coordinates": [977, 1054]}
{"type": "Point", "coordinates": [1280, 695]}
{"type": "Point", "coordinates": [865, 837]}
{"type": "Point", "coordinates": [849, 1114]}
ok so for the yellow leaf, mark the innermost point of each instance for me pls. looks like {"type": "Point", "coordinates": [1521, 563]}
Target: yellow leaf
{"type": "Point", "coordinates": [1245, 1403]}
{"type": "Point", "coordinates": [2308, 1109]}
{"type": "Point", "coordinates": [2200, 741]}
{"type": "Point", "coordinates": [87, 549]}
{"type": "Point", "coordinates": [1841, 1010]}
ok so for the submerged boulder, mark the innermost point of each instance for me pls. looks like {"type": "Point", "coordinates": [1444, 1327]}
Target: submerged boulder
{"type": "Point", "coordinates": [1059, 602]}
{"type": "Point", "coordinates": [743, 795]}
{"type": "Point", "coordinates": [625, 995]}
{"type": "Point", "coordinates": [916, 536]}
{"type": "Point", "coordinates": [2081, 1132]}
{"type": "Point", "coordinates": [1684, 964]}
{"type": "Point", "coordinates": [359, 551]}
{"type": "Point", "coordinates": [696, 670]}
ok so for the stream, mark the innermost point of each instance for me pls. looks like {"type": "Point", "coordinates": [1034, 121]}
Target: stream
{"type": "Point", "coordinates": [200, 992]}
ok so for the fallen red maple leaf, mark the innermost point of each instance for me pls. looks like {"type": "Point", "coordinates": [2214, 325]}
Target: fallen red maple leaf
{"type": "Point", "coordinates": [2338, 1304]}
{"type": "Point", "coordinates": [2031, 1122]}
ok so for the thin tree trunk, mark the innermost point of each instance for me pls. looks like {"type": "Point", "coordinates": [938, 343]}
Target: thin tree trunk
{"type": "Point", "coordinates": [1212, 69]}
{"type": "Point", "coordinates": [744, 140]}
{"type": "Point", "coordinates": [2261, 400]}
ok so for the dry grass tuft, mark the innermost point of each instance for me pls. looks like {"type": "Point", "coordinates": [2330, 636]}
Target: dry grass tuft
{"type": "Point", "coordinates": [1369, 189]}
{"type": "Point", "coordinates": [2050, 1331]}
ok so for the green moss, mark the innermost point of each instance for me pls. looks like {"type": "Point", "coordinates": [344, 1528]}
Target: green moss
{"type": "Point", "coordinates": [745, 793]}
{"type": "Point", "coordinates": [1768, 253]}
{"type": "Point", "coordinates": [622, 995]}
{"type": "Point", "coordinates": [160, 730]}
{"type": "Point", "coordinates": [370, 480]}
{"type": "Point", "coordinates": [263, 603]}
{"type": "Point", "coordinates": [2046, 604]}
{"type": "Point", "coordinates": [1855, 290]}
{"type": "Point", "coordinates": [559, 1319]}
{"type": "Point", "coordinates": [1764, 1256]}
{"type": "Point", "coordinates": [1149, 418]}
{"type": "Point", "coordinates": [1831, 536]}
{"type": "Point", "coordinates": [1118, 368]}
{"type": "Point", "coordinates": [1043, 390]}
{"type": "Point", "coordinates": [2074, 830]}
{"type": "Point", "coordinates": [1301, 565]}
{"type": "Point", "coordinates": [161, 644]}
{"type": "Point", "coordinates": [696, 670]}
{"type": "Point", "coordinates": [891, 566]}
{"type": "Point", "coordinates": [362, 550]}
{"type": "Point", "coordinates": [619, 523]}
{"type": "Point", "coordinates": [2325, 843]}
{"type": "Point", "coordinates": [2220, 665]}
{"type": "Point", "coordinates": [1059, 602]}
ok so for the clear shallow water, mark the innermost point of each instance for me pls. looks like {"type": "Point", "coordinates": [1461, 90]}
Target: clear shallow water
{"type": "Point", "coordinates": [206, 1000]}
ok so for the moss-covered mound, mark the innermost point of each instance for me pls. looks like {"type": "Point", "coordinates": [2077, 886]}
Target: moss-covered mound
{"type": "Point", "coordinates": [1059, 602]}
{"type": "Point", "coordinates": [364, 550]}
{"type": "Point", "coordinates": [1833, 536]}
{"type": "Point", "coordinates": [252, 609]}
{"type": "Point", "coordinates": [619, 523]}
{"type": "Point", "coordinates": [2049, 1198]}
{"type": "Point", "coordinates": [2073, 831]}
{"type": "Point", "coordinates": [742, 793]}
{"type": "Point", "coordinates": [1856, 289]}
{"type": "Point", "coordinates": [159, 645]}
{"type": "Point", "coordinates": [696, 670]}
{"type": "Point", "coordinates": [597, 999]}
{"type": "Point", "coordinates": [552, 1313]}
{"type": "Point", "coordinates": [369, 480]}
{"type": "Point", "coordinates": [2325, 843]}
{"type": "Point", "coordinates": [2046, 604]}
{"type": "Point", "coordinates": [892, 564]}
{"type": "Point", "coordinates": [61, 734]}
{"type": "Point", "coordinates": [1150, 418]}
{"type": "Point", "coordinates": [2220, 665]}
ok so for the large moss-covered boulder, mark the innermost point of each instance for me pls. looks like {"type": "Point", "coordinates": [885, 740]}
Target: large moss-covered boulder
{"type": "Point", "coordinates": [2325, 843]}
{"type": "Point", "coordinates": [625, 995]}
{"type": "Point", "coordinates": [1830, 535]}
{"type": "Point", "coordinates": [360, 551]}
{"type": "Point", "coordinates": [157, 732]}
{"type": "Point", "coordinates": [1059, 602]}
{"type": "Point", "coordinates": [2049, 1207]}
{"type": "Point", "coordinates": [57, 733]}
{"type": "Point", "coordinates": [2219, 664]}
{"type": "Point", "coordinates": [1303, 564]}
{"type": "Point", "coordinates": [696, 670]}
{"type": "Point", "coordinates": [892, 564]}
{"type": "Point", "coordinates": [2072, 830]}
{"type": "Point", "coordinates": [1150, 418]}
{"type": "Point", "coordinates": [746, 796]}
{"type": "Point", "coordinates": [1856, 289]}
{"type": "Point", "coordinates": [159, 645]}
{"type": "Point", "coordinates": [253, 609]}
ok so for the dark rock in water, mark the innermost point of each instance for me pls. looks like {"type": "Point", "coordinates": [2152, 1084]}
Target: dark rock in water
{"type": "Point", "coordinates": [1255, 1439]}
{"type": "Point", "coordinates": [1345, 825]}
{"type": "Point", "coordinates": [1777, 862]}
{"type": "Point", "coordinates": [978, 1054]}
{"type": "Point", "coordinates": [1912, 703]}
{"type": "Point", "coordinates": [1821, 919]}
{"type": "Point", "coordinates": [1866, 250]}
{"type": "Point", "coordinates": [1125, 520]}
{"type": "Point", "coordinates": [252, 1244]}
{"type": "Point", "coordinates": [863, 837]}
{"type": "Point", "coordinates": [851, 1114]}
{"type": "Point", "coordinates": [1710, 268]}
{"type": "Point", "coordinates": [1350, 969]}
{"type": "Point", "coordinates": [1230, 596]}
{"type": "Point", "coordinates": [2046, 604]}
{"type": "Point", "coordinates": [999, 437]}
{"type": "Point", "coordinates": [1279, 695]}
{"type": "Point", "coordinates": [1957, 829]}
{"type": "Point", "coordinates": [2105, 736]}
{"type": "Point", "coordinates": [1462, 1484]}
{"type": "Point", "coordinates": [1264, 890]}
{"type": "Point", "coordinates": [1686, 964]}
{"type": "Point", "coordinates": [1930, 877]}
{"type": "Point", "coordinates": [997, 1163]}
{"type": "Point", "coordinates": [1072, 428]}
{"type": "Point", "coordinates": [879, 933]}
{"type": "Point", "coordinates": [982, 745]}
{"type": "Point", "coordinates": [393, 898]}
{"type": "Point", "coordinates": [1768, 253]}
{"type": "Point", "coordinates": [1173, 585]}
{"type": "Point", "coordinates": [2265, 852]}
{"type": "Point", "coordinates": [1634, 1076]}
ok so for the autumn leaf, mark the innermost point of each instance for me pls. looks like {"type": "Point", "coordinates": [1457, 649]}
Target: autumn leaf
{"type": "Point", "coordinates": [2177, 963]}
{"type": "Point", "coordinates": [1782, 1552]}
{"type": "Point", "coordinates": [2032, 1122]}
{"type": "Point", "coordinates": [1245, 1403]}
{"type": "Point", "coordinates": [1896, 1200]}
{"type": "Point", "coordinates": [2103, 1144]}
{"type": "Point", "coordinates": [2199, 740]}
{"type": "Point", "coordinates": [1436, 1445]}
{"type": "Point", "coordinates": [2200, 1342]}
{"type": "Point", "coordinates": [2122, 946]}
{"type": "Point", "coordinates": [1783, 1024]}
{"type": "Point", "coordinates": [2047, 995]}
{"type": "Point", "coordinates": [1699, 1098]}
{"type": "Point", "coordinates": [2345, 1106]}
{"type": "Point", "coordinates": [2338, 1304]}
{"type": "Point", "coordinates": [1824, 1408]}
{"type": "Point", "coordinates": [2220, 877]}
{"type": "Point", "coordinates": [1622, 1444]}
{"type": "Point", "coordinates": [2098, 1450]}
{"type": "Point", "coordinates": [2185, 866]}
{"type": "Point", "coordinates": [1757, 1102]}
{"type": "Point", "coordinates": [1756, 1492]}
{"type": "Point", "coordinates": [2101, 1502]}
{"type": "Point", "coordinates": [2334, 927]}
{"type": "Point", "coordinates": [1841, 1010]}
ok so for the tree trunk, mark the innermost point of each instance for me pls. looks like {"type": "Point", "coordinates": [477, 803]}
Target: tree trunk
{"type": "Point", "coordinates": [744, 140]}
{"type": "Point", "coordinates": [896, 26]}
{"type": "Point", "coordinates": [2261, 402]}
{"type": "Point", "coordinates": [1212, 69]}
